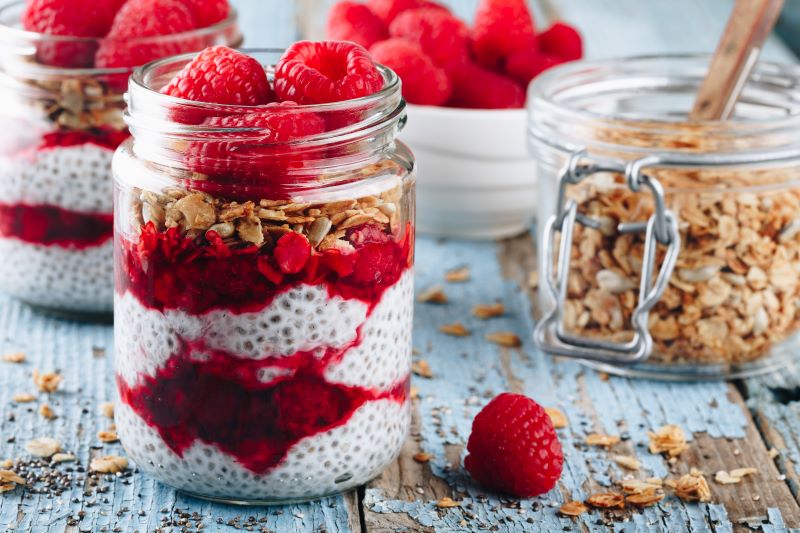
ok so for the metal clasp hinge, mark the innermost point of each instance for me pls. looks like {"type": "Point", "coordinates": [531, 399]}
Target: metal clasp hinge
{"type": "Point", "coordinates": [661, 228]}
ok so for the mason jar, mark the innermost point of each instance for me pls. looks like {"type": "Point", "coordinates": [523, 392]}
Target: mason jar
{"type": "Point", "coordinates": [667, 248]}
{"type": "Point", "coordinates": [61, 126]}
{"type": "Point", "coordinates": [263, 291]}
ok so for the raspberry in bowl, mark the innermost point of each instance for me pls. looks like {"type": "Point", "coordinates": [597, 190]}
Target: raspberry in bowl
{"type": "Point", "coordinates": [465, 85]}
{"type": "Point", "coordinates": [63, 71]}
{"type": "Point", "coordinates": [264, 246]}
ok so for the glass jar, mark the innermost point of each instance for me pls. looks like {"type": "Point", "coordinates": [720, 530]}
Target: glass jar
{"type": "Point", "coordinates": [667, 248]}
{"type": "Point", "coordinates": [264, 291]}
{"type": "Point", "coordinates": [61, 127]}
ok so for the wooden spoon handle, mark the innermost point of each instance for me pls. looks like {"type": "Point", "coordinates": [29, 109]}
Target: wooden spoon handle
{"type": "Point", "coordinates": [737, 52]}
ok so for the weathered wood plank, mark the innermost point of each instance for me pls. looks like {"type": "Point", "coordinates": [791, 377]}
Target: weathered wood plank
{"type": "Point", "coordinates": [467, 371]}
{"type": "Point", "coordinates": [83, 355]}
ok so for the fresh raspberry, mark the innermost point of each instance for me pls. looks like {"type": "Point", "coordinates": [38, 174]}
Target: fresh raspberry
{"type": "Point", "coordinates": [501, 28]}
{"type": "Point", "coordinates": [332, 71]}
{"type": "Point", "coordinates": [209, 12]}
{"type": "Point", "coordinates": [513, 447]}
{"type": "Point", "coordinates": [423, 82]}
{"type": "Point", "coordinates": [147, 18]}
{"type": "Point", "coordinates": [441, 35]}
{"type": "Point", "coordinates": [524, 65]}
{"type": "Point", "coordinates": [255, 155]}
{"type": "Point", "coordinates": [73, 18]}
{"type": "Point", "coordinates": [478, 88]}
{"type": "Point", "coordinates": [562, 40]}
{"type": "Point", "coordinates": [220, 75]}
{"type": "Point", "coordinates": [353, 21]}
{"type": "Point", "coordinates": [387, 10]}
{"type": "Point", "coordinates": [292, 252]}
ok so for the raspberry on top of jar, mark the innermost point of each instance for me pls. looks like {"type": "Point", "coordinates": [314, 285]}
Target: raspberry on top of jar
{"type": "Point", "coordinates": [264, 281]}
{"type": "Point", "coordinates": [64, 69]}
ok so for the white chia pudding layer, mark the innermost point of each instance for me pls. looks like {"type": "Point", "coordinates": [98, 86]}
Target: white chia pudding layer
{"type": "Point", "coordinates": [336, 460]}
{"type": "Point", "coordinates": [59, 278]}
{"type": "Point", "coordinates": [74, 178]}
{"type": "Point", "coordinates": [304, 318]}
{"type": "Point", "coordinates": [77, 178]}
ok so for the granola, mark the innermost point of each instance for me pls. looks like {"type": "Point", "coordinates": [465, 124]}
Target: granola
{"type": "Point", "coordinates": [669, 439]}
{"type": "Point", "coordinates": [735, 289]}
{"type": "Point", "coordinates": [693, 487]}
{"type": "Point", "coordinates": [262, 222]}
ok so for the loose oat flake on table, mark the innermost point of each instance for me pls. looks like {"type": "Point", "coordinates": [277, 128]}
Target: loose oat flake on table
{"type": "Point", "coordinates": [607, 500]}
{"type": "Point", "coordinates": [599, 439]}
{"type": "Point", "coordinates": [573, 508]}
{"type": "Point", "coordinates": [109, 464]}
{"type": "Point", "coordinates": [692, 487]}
{"type": "Point", "coordinates": [669, 439]}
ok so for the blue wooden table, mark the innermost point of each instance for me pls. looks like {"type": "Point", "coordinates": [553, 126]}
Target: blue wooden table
{"type": "Point", "coordinates": [729, 425]}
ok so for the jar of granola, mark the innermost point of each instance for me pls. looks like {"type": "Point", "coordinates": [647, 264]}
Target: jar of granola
{"type": "Point", "coordinates": [667, 248]}
{"type": "Point", "coordinates": [264, 292]}
{"type": "Point", "coordinates": [62, 121]}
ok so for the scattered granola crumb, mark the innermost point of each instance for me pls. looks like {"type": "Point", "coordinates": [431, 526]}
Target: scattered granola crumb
{"type": "Point", "coordinates": [669, 439]}
{"type": "Point", "coordinates": [627, 462]}
{"type": "Point", "coordinates": [107, 408]}
{"type": "Point", "coordinates": [23, 397]}
{"type": "Point", "coordinates": [607, 500]}
{"type": "Point", "coordinates": [110, 464]}
{"type": "Point", "coordinates": [43, 447]}
{"type": "Point", "coordinates": [504, 338]}
{"type": "Point", "coordinates": [693, 487]}
{"type": "Point", "coordinates": [734, 476]}
{"type": "Point", "coordinates": [573, 508]}
{"type": "Point", "coordinates": [46, 411]}
{"type": "Point", "coordinates": [433, 295]}
{"type": "Point", "coordinates": [7, 487]}
{"type": "Point", "coordinates": [640, 486]}
{"type": "Point", "coordinates": [458, 275]}
{"type": "Point", "coordinates": [422, 457]}
{"type": "Point", "coordinates": [446, 503]}
{"type": "Point", "coordinates": [15, 357]}
{"type": "Point", "coordinates": [558, 418]}
{"type": "Point", "coordinates": [487, 311]}
{"type": "Point", "coordinates": [599, 439]}
{"type": "Point", "coordinates": [6, 463]}
{"type": "Point", "coordinates": [422, 368]}
{"type": "Point", "coordinates": [456, 329]}
{"type": "Point", "coordinates": [9, 476]}
{"type": "Point", "coordinates": [533, 279]}
{"type": "Point", "coordinates": [108, 435]}
{"type": "Point", "coordinates": [645, 498]}
{"type": "Point", "coordinates": [773, 453]}
{"type": "Point", "coordinates": [62, 458]}
{"type": "Point", "coordinates": [47, 382]}
{"type": "Point", "coordinates": [414, 392]}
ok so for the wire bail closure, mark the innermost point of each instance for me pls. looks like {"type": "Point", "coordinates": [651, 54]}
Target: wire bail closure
{"type": "Point", "coordinates": [662, 228]}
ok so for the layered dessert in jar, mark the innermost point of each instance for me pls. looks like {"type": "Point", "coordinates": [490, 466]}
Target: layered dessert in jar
{"type": "Point", "coordinates": [264, 250]}
{"type": "Point", "coordinates": [63, 71]}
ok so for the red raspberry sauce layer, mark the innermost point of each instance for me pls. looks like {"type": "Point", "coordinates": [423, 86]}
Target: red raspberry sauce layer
{"type": "Point", "coordinates": [103, 137]}
{"type": "Point", "coordinates": [49, 225]}
{"type": "Point", "coordinates": [165, 270]}
{"type": "Point", "coordinates": [221, 401]}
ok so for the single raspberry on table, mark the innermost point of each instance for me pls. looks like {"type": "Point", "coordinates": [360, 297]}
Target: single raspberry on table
{"type": "Point", "coordinates": [354, 21]}
{"type": "Point", "coordinates": [478, 88]}
{"type": "Point", "coordinates": [424, 83]}
{"type": "Point", "coordinates": [147, 18]}
{"type": "Point", "coordinates": [524, 65]}
{"type": "Point", "coordinates": [501, 28]}
{"type": "Point", "coordinates": [561, 40]}
{"type": "Point", "coordinates": [72, 18]}
{"type": "Point", "coordinates": [220, 75]}
{"type": "Point", "coordinates": [323, 72]}
{"type": "Point", "coordinates": [513, 447]}
{"type": "Point", "coordinates": [387, 10]}
{"type": "Point", "coordinates": [209, 12]}
{"type": "Point", "coordinates": [441, 35]}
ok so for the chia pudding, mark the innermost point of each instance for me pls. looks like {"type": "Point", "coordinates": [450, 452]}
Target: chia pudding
{"type": "Point", "coordinates": [263, 321]}
{"type": "Point", "coordinates": [61, 102]}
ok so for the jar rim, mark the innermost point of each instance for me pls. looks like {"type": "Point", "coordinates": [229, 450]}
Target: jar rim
{"type": "Point", "coordinates": [16, 36]}
{"type": "Point", "coordinates": [552, 97]}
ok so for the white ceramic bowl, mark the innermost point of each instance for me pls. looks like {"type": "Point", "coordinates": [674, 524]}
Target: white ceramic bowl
{"type": "Point", "coordinates": [476, 179]}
